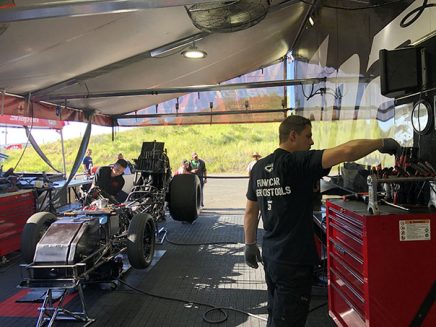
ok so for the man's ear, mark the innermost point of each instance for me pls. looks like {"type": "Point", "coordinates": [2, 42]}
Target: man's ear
{"type": "Point", "coordinates": [292, 136]}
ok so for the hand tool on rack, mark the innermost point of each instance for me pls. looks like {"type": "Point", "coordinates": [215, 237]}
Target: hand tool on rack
{"type": "Point", "coordinates": [394, 205]}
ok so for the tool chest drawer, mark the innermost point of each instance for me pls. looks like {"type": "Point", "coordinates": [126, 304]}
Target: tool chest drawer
{"type": "Point", "coordinates": [347, 313]}
{"type": "Point", "coordinates": [346, 215]}
{"type": "Point", "coordinates": [381, 268]}
{"type": "Point", "coordinates": [352, 277]}
{"type": "Point", "coordinates": [347, 290]}
{"type": "Point", "coordinates": [346, 229]}
{"type": "Point", "coordinates": [343, 253]}
{"type": "Point", "coordinates": [345, 235]}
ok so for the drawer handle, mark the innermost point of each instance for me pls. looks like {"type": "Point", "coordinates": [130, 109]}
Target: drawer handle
{"type": "Point", "coordinates": [340, 249]}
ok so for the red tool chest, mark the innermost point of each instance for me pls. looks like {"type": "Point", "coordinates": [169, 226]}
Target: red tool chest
{"type": "Point", "coordinates": [15, 209]}
{"type": "Point", "coordinates": [381, 267]}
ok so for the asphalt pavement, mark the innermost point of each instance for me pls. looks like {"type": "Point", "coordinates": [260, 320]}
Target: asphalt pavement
{"type": "Point", "coordinates": [222, 193]}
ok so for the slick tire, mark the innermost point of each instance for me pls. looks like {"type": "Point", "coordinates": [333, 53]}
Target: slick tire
{"type": "Point", "coordinates": [33, 231]}
{"type": "Point", "coordinates": [141, 240]}
{"type": "Point", "coordinates": [185, 197]}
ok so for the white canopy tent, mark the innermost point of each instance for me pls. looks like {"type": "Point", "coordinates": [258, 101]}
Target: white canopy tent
{"type": "Point", "coordinates": [54, 50]}
{"type": "Point", "coordinates": [68, 60]}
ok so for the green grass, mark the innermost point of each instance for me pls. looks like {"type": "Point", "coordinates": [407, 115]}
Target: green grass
{"type": "Point", "coordinates": [225, 148]}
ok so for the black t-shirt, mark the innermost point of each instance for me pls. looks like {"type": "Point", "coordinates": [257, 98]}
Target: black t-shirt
{"type": "Point", "coordinates": [109, 184]}
{"type": "Point", "coordinates": [200, 165]}
{"type": "Point", "coordinates": [282, 184]}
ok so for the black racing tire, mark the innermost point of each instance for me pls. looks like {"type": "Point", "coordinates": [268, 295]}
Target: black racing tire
{"type": "Point", "coordinates": [33, 231]}
{"type": "Point", "coordinates": [185, 197]}
{"type": "Point", "coordinates": [141, 240]}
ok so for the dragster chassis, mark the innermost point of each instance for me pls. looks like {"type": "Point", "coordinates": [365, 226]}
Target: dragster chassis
{"type": "Point", "coordinates": [84, 246]}
{"type": "Point", "coordinates": [64, 252]}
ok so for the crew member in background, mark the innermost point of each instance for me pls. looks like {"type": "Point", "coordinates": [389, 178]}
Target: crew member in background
{"type": "Point", "coordinates": [185, 168]}
{"type": "Point", "coordinates": [128, 170]}
{"type": "Point", "coordinates": [87, 162]}
{"type": "Point", "coordinates": [110, 180]}
{"type": "Point", "coordinates": [198, 167]}
{"type": "Point", "coordinates": [256, 156]}
{"type": "Point", "coordinates": [281, 186]}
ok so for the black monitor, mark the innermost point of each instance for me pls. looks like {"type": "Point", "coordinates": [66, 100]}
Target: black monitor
{"type": "Point", "coordinates": [401, 71]}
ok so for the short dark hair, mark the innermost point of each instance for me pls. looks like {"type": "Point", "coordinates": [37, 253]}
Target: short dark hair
{"type": "Point", "coordinates": [122, 163]}
{"type": "Point", "coordinates": [292, 123]}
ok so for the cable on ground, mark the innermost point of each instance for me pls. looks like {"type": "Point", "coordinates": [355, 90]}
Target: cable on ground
{"type": "Point", "coordinates": [212, 307]}
{"type": "Point", "coordinates": [205, 243]}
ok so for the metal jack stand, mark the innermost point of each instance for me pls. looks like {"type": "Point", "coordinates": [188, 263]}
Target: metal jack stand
{"type": "Point", "coordinates": [161, 233]}
{"type": "Point", "coordinates": [50, 312]}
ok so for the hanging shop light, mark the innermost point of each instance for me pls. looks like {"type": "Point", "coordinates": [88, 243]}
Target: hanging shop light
{"type": "Point", "coordinates": [194, 53]}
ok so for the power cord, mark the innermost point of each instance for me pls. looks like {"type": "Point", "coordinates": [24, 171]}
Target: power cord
{"type": "Point", "coordinates": [212, 307]}
{"type": "Point", "coordinates": [205, 243]}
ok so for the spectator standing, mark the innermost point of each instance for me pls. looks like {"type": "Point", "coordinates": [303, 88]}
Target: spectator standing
{"type": "Point", "coordinates": [185, 168]}
{"type": "Point", "coordinates": [256, 156]}
{"type": "Point", "coordinates": [87, 162]}
{"type": "Point", "coordinates": [199, 168]}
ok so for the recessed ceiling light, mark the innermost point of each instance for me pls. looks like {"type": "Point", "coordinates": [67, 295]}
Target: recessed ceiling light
{"type": "Point", "coordinates": [193, 53]}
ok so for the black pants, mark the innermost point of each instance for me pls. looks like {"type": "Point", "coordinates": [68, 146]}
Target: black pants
{"type": "Point", "coordinates": [201, 190]}
{"type": "Point", "coordinates": [289, 293]}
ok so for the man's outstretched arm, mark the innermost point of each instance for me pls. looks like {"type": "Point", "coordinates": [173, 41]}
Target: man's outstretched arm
{"type": "Point", "coordinates": [357, 149]}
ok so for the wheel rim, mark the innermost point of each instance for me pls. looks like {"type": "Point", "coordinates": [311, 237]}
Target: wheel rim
{"type": "Point", "coordinates": [148, 240]}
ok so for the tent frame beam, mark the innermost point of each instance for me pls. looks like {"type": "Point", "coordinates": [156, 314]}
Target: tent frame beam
{"type": "Point", "coordinates": [204, 113]}
{"type": "Point", "coordinates": [86, 8]}
{"type": "Point", "coordinates": [185, 89]}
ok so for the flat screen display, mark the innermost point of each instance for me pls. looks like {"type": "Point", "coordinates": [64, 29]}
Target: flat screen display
{"type": "Point", "coordinates": [400, 71]}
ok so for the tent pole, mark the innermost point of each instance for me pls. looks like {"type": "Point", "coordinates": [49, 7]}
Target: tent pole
{"type": "Point", "coordinates": [3, 102]}
{"type": "Point", "coordinates": [63, 152]}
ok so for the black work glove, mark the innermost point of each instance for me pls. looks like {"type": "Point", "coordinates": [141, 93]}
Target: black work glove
{"type": "Point", "coordinates": [390, 146]}
{"type": "Point", "coordinates": [252, 255]}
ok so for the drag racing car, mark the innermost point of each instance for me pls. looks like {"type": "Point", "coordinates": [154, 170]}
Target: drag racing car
{"type": "Point", "coordinates": [89, 244]}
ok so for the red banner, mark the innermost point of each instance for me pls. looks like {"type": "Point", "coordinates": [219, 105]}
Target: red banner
{"type": "Point", "coordinates": [28, 121]}
{"type": "Point", "coordinates": [14, 147]}
{"type": "Point", "coordinates": [14, 105]}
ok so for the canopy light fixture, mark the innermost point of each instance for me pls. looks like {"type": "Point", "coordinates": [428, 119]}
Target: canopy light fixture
{"type": "Point", "coordinates": [194, 53]}
{"type": "Point", "coordinates": [311, 21]}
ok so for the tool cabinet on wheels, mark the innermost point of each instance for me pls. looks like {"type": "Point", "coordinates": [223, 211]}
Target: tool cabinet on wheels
{"type": "Point", "coordinates": [381, 268]}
